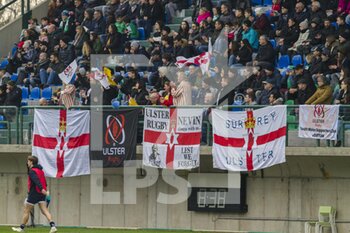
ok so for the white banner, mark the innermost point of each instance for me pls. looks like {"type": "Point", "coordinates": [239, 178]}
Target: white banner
{"type": "Point", "coordinates": [61, 141]}
{"type": "Point", "coordinates": [171, 138]}
{"type": "Point", "coordinates": [249, 140]}
{"type": "Point", "coordinates": [318, 121]}
{"type": "Point", "coordinates": [69, 73]}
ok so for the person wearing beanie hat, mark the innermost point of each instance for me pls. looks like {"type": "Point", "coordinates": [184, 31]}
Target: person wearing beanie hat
{"type": "Point", "coordinates": [303, 36]}
{"type": "Point", "coordinates": [67, 25]}
{"type": "Point", "coordinates": [250, 34]}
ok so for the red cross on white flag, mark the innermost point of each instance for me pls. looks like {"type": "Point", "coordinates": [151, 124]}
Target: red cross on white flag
{"type": "Point", "coordinates": [249, 140]}
{"type": "Point", "coordinates": [171, 138]}
{"type": "Point", "coordinates": [61, 141]}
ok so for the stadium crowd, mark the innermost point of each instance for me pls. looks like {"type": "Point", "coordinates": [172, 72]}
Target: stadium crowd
{"type": "Point", "coordinates": [298, 51]}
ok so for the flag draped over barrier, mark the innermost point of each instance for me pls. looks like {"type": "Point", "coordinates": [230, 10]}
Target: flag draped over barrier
{"type": "Point", "coordinates": [119, 136]}
{"type": "Point", "coordinates": [318, 121]}
{"type": "Point", "coordinates": [171, 138]}
{"type": "Point", "coordinates": [61, 141]}
{"type": "Point", "coordinates": [249, 140]}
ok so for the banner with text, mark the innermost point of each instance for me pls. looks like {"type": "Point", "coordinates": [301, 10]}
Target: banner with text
{"type": "Point", "coordinates": [119, 137]}
{"type": "Point", "coordinates": [249, 140]}
{"type": "Point", "coordinates": [318, 121]}
{"type": "Point", "coordinates": [171, 138]}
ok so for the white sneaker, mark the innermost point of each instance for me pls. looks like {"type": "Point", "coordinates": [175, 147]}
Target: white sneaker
{"type": "Point", "coordinates": [17, 229]}
{"type": "Point", "coordinates": [53, 230]}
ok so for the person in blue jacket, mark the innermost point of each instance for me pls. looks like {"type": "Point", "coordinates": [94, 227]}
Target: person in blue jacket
{"type": "Point", "coordinates": [250, 34]}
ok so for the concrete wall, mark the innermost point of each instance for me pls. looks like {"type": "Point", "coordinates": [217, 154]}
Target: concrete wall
{"type": "Point", "coordinates": [11, 32]}
{"type": "Point", "coordinates": [281, 201]}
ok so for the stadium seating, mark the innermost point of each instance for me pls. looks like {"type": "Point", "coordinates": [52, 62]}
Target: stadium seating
{"type": "Point", "coordinates": [35, 93]}
{"type": "Point", "coordinates": [14, 77]}
{"type": "Point", "coordinates": [283, 62]}
{"type": "Point", "coordinates": [326, 219]}
{"type": "Point", "coordinates": [47, 93]}
{"type": "Point", "coordinates": [142, 35]}
{"type": "Point", "coordinates": [25, 93]}
{"type": "Point", "coordinates": [2, 126]}
{"type": "Point", "coordinates": [273, 43]}
{"type": "Point", "coordinates": [297, 60]}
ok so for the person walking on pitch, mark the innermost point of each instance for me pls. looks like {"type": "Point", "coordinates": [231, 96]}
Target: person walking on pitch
{"type": "Point", "coordinates": [37, 192]}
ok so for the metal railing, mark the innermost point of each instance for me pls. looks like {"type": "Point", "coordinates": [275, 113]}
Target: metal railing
{"type": "Point", "coordinates": [22, 121]}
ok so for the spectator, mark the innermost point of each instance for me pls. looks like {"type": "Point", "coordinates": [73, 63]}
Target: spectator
{"type": "Point", "coordinates": [275, 99]}
{"type": "Point", "coordinates": [131, 30]}
{"type": "Point", "coordinates": [167, 98]}
{"type": "Point", "coordinates": [342, 26]}
{"type": "Point", "coordinates": [43, 102]}
{"type": "Point", "coordinates": [66, 51]}
{"type": "Point", "coordinates": [183, 30]}
{"type": "Point", "coordinates": [328, 29]}
{"type": "Point", "coordinates": [79, 11]}
{"type": "Point", "coordinates": [244, 54]}
{"type": "Point", "coordinates": [301, 12]}
{"type": "Point", "coordinates": [88, 20]}
{"type": "Point", "coordinates": [204, 14]}
{"type": "Point", "coordinates": [301, 73]}
{"type": "Point", "coordinates": [67, 25]}
{"type": "Point", "coordinates": [262, 24]}
{"type": "Point", "coordinates": [153, 99]}
{"type": "Point", "coordinates": [323, 94]}
{"type": "Point", "coordinates": [51, 75]}
{"type": "Point", "coordinates": [182, 94]}
{"type": "Point", "coordinates": [99, 23]}
{"type": "Point", "coordinates": [316, 11]}
{"type": "Point", "coordinates": [67, 96]}
{"type": "Point", "coordinates": [122, 9]}
{"type": "Point", "coordinates": [303, 39]}
{"type": "Point", "coordinates": [130, 82]}
{"type": "Point", "coordinates": [239, 15]}
{"type": "Point", "coordinates": [140, 93]}
{"type": "Point", "coordinates": [344, 95]}
{"type": "Point", "coordinates": [95, 43]}
{"type": "Point", "coordinates": [242, 4]}
{"type": "Point", "coordinates": [14, 95]}
{"type": "Point", "coordinates": [3, 94]}
{"type": "Point", "coordinates": [289, 36]}
{"type": "Point", "coordinates": [81, 81]}
{"type": "Point", "coordinates": [282, 22]}
{"type": "Point", "coordinates": [80, 38]}
{"type": "Point", "coordinates": [114, 41]}
{"type": "Point", "coordinates": [250, 34]}
{"type": "Point", "coordinates": [53, 35]}
{"type": "Point", "coordinates": [303, 92]}
{"type": "Point", "coordinates": [4, 77]}
{"type": "Point", "coordinates": [269, 88]}
{"type": "Point", "coordinates": [193, 33]}
{"type": "Point", "coordinates": [39, 70]}
{"type": "Point", "coordinates": [343, 7]}
{"type": "Point", "coordinates": [266, 54]}
{"type": "Point", "coordinates": [226, 14]}
{"type": "Point", "coordinates": [249, 99]}
{"type": "Point", "coordinates": [226, 92]}
{"type": "Point", "coordinates": [344, 45]}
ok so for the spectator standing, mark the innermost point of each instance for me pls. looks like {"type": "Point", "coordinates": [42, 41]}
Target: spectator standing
{"type": "Point", "coordinates": [182, 94]}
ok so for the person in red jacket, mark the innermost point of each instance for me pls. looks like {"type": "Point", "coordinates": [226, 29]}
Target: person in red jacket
{"type": "Point", "coordinates": [37, 192]}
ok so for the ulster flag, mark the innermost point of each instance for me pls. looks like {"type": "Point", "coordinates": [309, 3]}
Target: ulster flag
{"type": "Point", "coordinates": [171, 138]}
{"type": "Point", "coordinates": [61, 142]}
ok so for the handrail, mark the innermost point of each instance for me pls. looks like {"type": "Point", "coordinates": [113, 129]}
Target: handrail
{"type": "Point", "coordinates": [7, 4]}
{"type": "Point", "coordinates": [21, 111]}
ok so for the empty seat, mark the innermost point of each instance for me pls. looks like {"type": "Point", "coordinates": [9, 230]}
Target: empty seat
{"type": "Point", "coordinates": [35, 93]}
{"type": "Point", "coordinates": [14, 77]}
{"type": "Point", "coordinates": [142, 35]}
{"type": "Point", "coordinates": [25, 93]}
{"type": "Point", "coordinates": [283, 62]}
{"type": "Point", "coordinates": [47, 93]}
{"type": "Point", "coordinates": [273, 43]}
{"type": "Point", "coordinates": [297, 60]}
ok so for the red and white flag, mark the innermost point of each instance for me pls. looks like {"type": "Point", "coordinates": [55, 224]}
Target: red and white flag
{"type": "Point", "coordinates": [61, 141]}
{"type": "Point", "coordinates": [249, 140]}
{"type": "Point", "coordinates": [171, 138]}
{"type": "Point", "coordinates": [201, 60]}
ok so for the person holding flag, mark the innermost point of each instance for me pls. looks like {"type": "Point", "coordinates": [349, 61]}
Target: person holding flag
{"type": "Point", "coordinates": [37, 194]}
